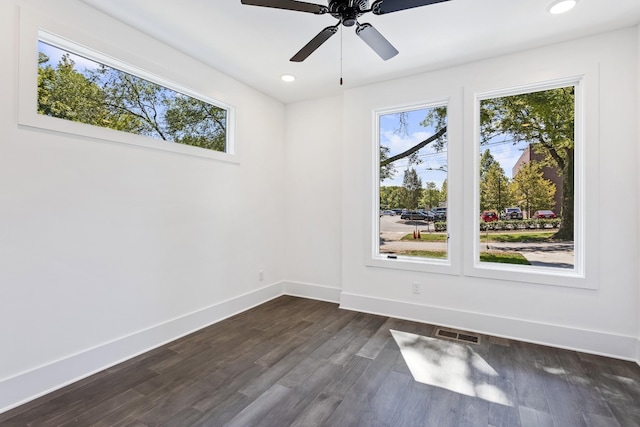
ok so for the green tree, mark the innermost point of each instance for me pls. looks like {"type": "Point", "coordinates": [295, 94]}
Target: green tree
{"type": "Point", "coordinates": [494, 189]}
{"type": "Point", "coordinates": [387, 170]}
{"type": "Point", "coordinates": [412, 185]}
{"type": "Point", "coordinates": [431, 197]}
{"type": "Point", "coordinates": [65, 93]}
{"type": "Point", "coordinates": [443, 191]}
{"type": "Point", "coordinates": [126, 94]}
{"type": "Point", "coordinates": [532, 190]}
{"type": "Point", "coordinates": [546, 120]}
{"type": "Point", "coordinates": [194, 122]}
{"type": "Point", "coordinates": [486, 162]}
{"type": "Point", "coordinates": [391, 197]}
{"type": "Point", "coordinates": [111, 98]}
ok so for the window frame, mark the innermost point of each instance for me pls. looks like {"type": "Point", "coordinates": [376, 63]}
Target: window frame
{"type": "Point", "coordinates": [31, 31]}
{"type": "Point", "coordinates": [576, 277]}
{"type": "Point", "coordinates": [428, 265]}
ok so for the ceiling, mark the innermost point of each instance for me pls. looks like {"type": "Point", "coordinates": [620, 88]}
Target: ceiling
{"type": "Point", "coordinates": [254, 44]}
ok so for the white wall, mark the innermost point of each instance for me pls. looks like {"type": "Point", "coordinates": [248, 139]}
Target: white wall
{"type": "Point", "coordinates": [313, 215]}
{"type": "Point", "coordinates": [106, 249]}
{"type": "Point", "coordinates": [600, 320]}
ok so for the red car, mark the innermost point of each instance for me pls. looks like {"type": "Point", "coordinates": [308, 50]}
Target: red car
{"type": "Point", "coordinates": [489, 216]}
{"type": "Point", "coordinates": [544, 214]}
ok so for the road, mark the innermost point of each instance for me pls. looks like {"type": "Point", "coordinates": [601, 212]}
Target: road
{"type": "Point", "coordinates": [392, 229]}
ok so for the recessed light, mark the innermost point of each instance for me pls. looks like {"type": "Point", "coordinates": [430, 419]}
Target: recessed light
{"type": "Point", "coordinates": [288, 77]}
{"type": "Point", "coordinates": [561, 6]}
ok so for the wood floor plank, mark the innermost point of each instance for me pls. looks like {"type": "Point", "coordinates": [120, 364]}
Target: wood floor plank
{"type": "Point", "coordinates": [298, 362]}
{"type": "Point", "coordinates": [277, 371]}
{"type": "Point", "coordinates": [364, 389]}
{"type": "Point", "coordinates": [317, 412]}
{"type": "Point", "coordinates": [255, 413]}
{"type": "Point", "coordinates": [377, 342]}
{"type": "Point", "coordinates": [474, 412]}
{"type": "Point", "coordinates": [530, 417]}
{"type": "Point", "coordinates": [294, 404]}
{"type": "Point", "coordinates": [412, 411]}
{"type": "Point", "coordinates": [595, 420]}
{"type": "Point", "coordinates": [96, 412]}
{"type": "Point", "coordinates": [224, 411]}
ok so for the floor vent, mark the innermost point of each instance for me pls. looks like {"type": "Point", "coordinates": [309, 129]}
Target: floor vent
{"type": "Point", "coordinates": [458, 336]}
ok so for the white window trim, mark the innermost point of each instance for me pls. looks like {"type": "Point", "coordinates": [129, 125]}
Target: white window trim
{"type": "Point", "coordinates": [576, 277]}
{"type": "Point", "coordinates": [375, 259]}
{"type": "Point", "coordinates": [56, 34]}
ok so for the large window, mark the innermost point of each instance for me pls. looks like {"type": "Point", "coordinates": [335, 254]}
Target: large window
{"type": "Point", "coordinates": [76, 88]}
{"type": "Point", "coordinates": [412, 196]}
{"type": "Point", "coordinates": [71, 88]}
{"type": "Point", "coordinates": [526, 179]}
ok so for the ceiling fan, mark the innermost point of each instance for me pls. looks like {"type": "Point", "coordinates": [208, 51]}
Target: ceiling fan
{"type": "Point", "coordinates": [347, 13]}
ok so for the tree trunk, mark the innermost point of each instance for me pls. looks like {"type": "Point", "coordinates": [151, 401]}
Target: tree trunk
{"type": "Point", "coordinates": [567, 211]}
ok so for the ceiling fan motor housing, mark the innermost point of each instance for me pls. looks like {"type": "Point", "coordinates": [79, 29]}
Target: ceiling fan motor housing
{"type": "Point", "coordinates": [348, 15]}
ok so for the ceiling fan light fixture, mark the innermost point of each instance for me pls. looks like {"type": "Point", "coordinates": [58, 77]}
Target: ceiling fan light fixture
{"type": "Point", "coordinates": [347, 13]}
{"type": "Point", "coordinates": [288, 78]}
{"type": "Point", "coordinates": [561, 6]}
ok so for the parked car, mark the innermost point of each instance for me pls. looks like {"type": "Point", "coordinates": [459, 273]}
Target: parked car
{"type": "Point", "coordinates": [387, 212]}
{"type": "Point", "coordinates": [440, 214]}
{"type": "Point", "coordinates": [489, 216]}
{"type": "Point", "coordinates": [544, 214]}
{"type": "Point", "coordinates": [414, 215]}
{"type": "Point", "coordinates": [512, 213]}
{"type": "Point", "coordinates": [429, 215]}
{"type": "Point", "coordinates": [397, 211]}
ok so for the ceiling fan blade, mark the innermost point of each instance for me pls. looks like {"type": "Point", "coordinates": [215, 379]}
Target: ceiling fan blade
{"type": "Point", "coordinates": [380, 7]}
{"type": "Point", "coordinates": [315, 43]}
{"type": "Point", "coordinates": [298, 6]}
{"type": "Point", "coordinates": [376, 41]}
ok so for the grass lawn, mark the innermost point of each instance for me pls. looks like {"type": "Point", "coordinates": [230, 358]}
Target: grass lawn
{"type": "Point", "coordinates": [501, 257]}
{"type": "Point", "coordinates": [504, 258]}
{"type": "Point", "coordinates": [428, 237]}
{"type": "Point", "coordinates": [424, 254]}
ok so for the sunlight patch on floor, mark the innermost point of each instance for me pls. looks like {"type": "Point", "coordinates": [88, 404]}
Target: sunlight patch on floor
{"type": "Point", "coordinates": [449, 365]}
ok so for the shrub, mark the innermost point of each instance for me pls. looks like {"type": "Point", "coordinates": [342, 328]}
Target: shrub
{"type": "Point", "coordinates": [517, 224]}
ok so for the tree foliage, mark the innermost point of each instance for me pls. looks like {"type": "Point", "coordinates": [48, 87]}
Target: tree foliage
{"type": "Point", "coordinates": [531, 190]}
{"type": "Point", "coordinates": [110, 98]}
{"type": "Point", "coordinates": [391, 197]}
{"type": "Point", "coordinates": [67, 94]}
{"type": "Point", "coordinates": [431, 197]}
{"type": "Point", "coordinates": [486, 162]}
{"type": "Point", "coordinates": [495, 193]}
{"type": "Point", "coordinates": [412, 189]}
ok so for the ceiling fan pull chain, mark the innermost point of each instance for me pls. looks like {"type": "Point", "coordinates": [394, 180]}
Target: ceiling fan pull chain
{"type": "Point", "coordinates": [341, 32]}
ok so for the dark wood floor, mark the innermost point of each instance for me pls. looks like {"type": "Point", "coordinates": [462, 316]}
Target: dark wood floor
{"type": "Point", "coordinates": [306, 363]}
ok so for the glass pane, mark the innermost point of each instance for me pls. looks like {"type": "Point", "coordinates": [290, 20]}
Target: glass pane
{"type": "Point", "coordinates": [413, 183]}
{"type": "Point", "coordinates": [75, 88]}
{"type": "Point", "coordinates": [526, 181]}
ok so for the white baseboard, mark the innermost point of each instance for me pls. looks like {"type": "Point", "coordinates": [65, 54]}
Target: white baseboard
{"type": "Point", "coordinates": [317, 292]}
{"type": "Point", "coordinates": [594, 342]}
{"type": "Point", "coordinates": [21, 388]}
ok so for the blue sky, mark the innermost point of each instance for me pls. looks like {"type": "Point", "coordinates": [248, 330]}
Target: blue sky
{"type": "Point", "coordinates": [399, 141]}
{"type": "Point", "coordinates": [55, 53]}
{"type": "Point", "coordinates": [502, 149]}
